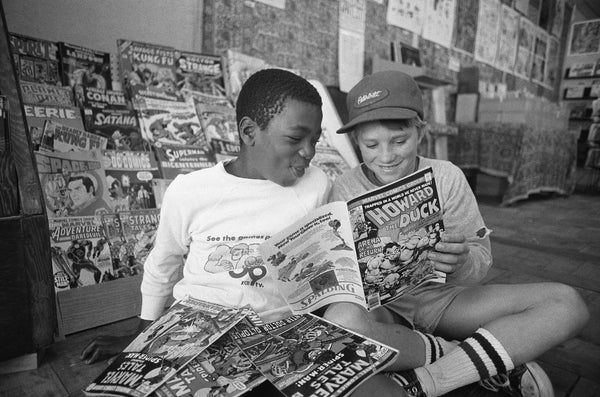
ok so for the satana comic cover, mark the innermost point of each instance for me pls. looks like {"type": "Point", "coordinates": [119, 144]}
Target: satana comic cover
{"type": "Point", "coordinates": [80, 253]}
{"type": "Point", "coordinates": [84, 66]}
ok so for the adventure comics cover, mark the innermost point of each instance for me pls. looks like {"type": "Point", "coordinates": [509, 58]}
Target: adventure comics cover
{"type": "Point", "coordinates": [186, 329]}
{"type": "Point", "coordinates": [84, 66]}
{"type": "Point", "coordinates": [35, 59]}
{"type": "Point", "coordinates": [304, 355]}
{"type": "Point", "coordinates": [129, 178]}
{"type": "Point", "coordinates": [80, 253]}
{"type": "Point", "coordinates": [200, 73]}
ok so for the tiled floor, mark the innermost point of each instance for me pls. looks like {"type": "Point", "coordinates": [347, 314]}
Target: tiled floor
{"type": "Point", "coordinates": [543, 238]}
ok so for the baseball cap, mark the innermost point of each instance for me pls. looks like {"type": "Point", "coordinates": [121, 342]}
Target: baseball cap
{"type": "Point", "coordinates": [387, 95]}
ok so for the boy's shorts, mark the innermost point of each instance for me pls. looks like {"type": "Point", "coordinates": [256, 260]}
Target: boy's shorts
{"type": "Point", "coordinates": [424, 307]}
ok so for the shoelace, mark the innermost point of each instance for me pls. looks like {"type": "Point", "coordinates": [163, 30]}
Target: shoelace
{"type": "Point", "coordinates": [495, 383]}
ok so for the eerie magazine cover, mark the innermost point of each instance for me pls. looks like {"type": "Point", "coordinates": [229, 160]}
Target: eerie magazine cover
{"type": "Point", "coordinates": [308, 356]}
{"type": "Point", "coordinates": [80, 253]}
{"type": "Point", "coordinates": [166, 346]}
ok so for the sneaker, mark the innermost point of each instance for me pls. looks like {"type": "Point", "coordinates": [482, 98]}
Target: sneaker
{"type": "Point", "coordinates": [526, 380]}
{"type": "Point", "coordinates": [409, 382]}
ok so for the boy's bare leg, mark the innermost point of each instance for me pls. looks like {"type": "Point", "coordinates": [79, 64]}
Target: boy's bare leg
{"type": "Point", "coordinates": [379, 385]}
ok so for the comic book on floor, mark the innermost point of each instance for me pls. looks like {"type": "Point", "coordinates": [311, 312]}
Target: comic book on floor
{"type": "Point", "coordinates": [166, 346]}
{"type": "Point", "coordinates": [369, 250]}
{"type": "Point", "coordinates": [304, 355]}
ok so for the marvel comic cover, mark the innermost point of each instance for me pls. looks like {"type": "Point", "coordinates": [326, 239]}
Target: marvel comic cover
{"type": "Point", "coordinates": [238, 67]}
{"type": "Point", "coordinates": [174, 160]}
{"type": "Point", "coordinates": [121, 266]}
{"type": "Point", "coordinates": [62, 138]}
{"type": "Point", "coordinates": [307, 356]}
{"type": "Point", "coordinates": [80, 253]}
{"type": "Point", "coordinates": [146, 67]}
{"type": "Point", "coordinates": [37, 114]}
{"type": "Point", "coordinates": [169, 122]}
{"type": "Point", "coordinates": [129, 176]}
{"type": "Point", "coordinates": [108, 113]}
{"type": "Point", "coordinates": [370, 250]}
{"type": "Point", "coordinates": [73, 183]}
{"type": "Point", "coordinates": [186, 329]}
{"type": "Point", "coordinates": [139, 232]}
{"type": "Point", "coordinates": [35, 59]}
{"type": "Point", "coordinates": [199, 72]}
{"type": "Point", "coordinates": [84, 66]}
{"type": "Point", "coordinates": [46, 94]}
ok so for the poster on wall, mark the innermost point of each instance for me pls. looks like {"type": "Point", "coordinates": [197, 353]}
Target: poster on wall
{"type": "Point", "coordinates": [486, 39]}
{"type": "Point", "coordinates": [507, 39]}
{"type": "Point", "coordinates": [585, 37]}
{"type": "Point", "coordinates": [558, 16]}
{"type": "Point", "coordinates": [525, 47]}
{"type": "Point", "coordinates": [538, 64]}
{"type": "Point", "coordinates": [351, 46]}
{"type": "Point", "coordinates": [406, 14]}
{"type": "Point", "coordinates": [466, 25]}
{"type": "Point", "coordinates": [439, 24]}
{"type": "Point", "coordinates": [552, 62]}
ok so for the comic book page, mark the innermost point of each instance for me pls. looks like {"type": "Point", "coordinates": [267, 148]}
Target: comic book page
{"type": "Point", "coordinates": [73, 183]}
{"type": "Point", "coordinates": [35, 59]}
{"type": "Point", "coordinates": [313, 261]}
{"type": "Point", "coordinates": [200, 73]}
{"type": "Point", "coordinates": [139, 232]}
{"type": "Point", "coordinates": [84, 66]}
{"type": "Point", "coordinates": [169, 122]}
{"type": "Point", "coordinates": [107, 113]}
{"type": "Point", "coordinates": [129, 176]}
{"type": "Point", "coordinates": [46, 94]}
{"type": "Point", "coordinates": [186, 329]}
{"type": "Point", "coordinates": [307, 356]}
{"type": "Point", "coordinates": [80, 253]}
{"type": "Point", "coordinates": [393, 229]}
{"type": "Point", "coordinates": [146, 67]}
{"type": "Point", "coordinates": [62, 138]}
{"type": "Point", "coordinates": [174, 160]}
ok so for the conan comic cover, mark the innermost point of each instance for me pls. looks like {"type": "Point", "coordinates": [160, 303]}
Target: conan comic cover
{"type": "Point", "coordinates": [169, 122]}
{"type": "Point", "coordinates": [139, 232]}
{"type": "Point", "coordinates": [129, 178]}
{"type": "Point", "coordinates": [84, 66]}
{"type": "Point", "coordinates": [175, 160]}
{"type": "Point", "coordinates": [62, 138]}
{"type": "Point", "coordinates": [146, 67]}
{"type": "Point", "coordinates": [168, 344]}
{"type": "Point", "coordinates": [107, 113]}
{"type": "Point", "coordinates": [45, 94]}
{"type": "Point", "coordinates": [308, 356]}
{"type": "Point", "coordinates": [80, 253]}
{"type": "Point", "coordinates": [35, 59]}
{"type": "Point", "coordinates": [199, 72]}
{"type": "Point", "coordinates": [370, 250]}
{"type": "Point", "coordinates": [73, 183]}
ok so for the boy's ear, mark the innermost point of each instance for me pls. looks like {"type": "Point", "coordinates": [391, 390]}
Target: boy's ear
{"type": "Point", "coordinates": [248, 130]}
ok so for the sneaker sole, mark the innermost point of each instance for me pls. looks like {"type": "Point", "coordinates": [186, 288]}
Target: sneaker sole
{"type": "Point", "coordinates": [541, 379]}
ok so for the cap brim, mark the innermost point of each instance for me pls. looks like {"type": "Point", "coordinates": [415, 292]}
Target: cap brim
{"type": "Point", "coordinates": [379, 114]}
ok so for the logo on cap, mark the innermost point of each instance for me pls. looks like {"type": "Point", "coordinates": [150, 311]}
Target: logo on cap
{"type": "Point", "coordinates": [371, 98]}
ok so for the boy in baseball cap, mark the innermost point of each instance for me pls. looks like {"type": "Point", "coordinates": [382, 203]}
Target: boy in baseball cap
{"type": "Point", "coordinates": [501, 327]}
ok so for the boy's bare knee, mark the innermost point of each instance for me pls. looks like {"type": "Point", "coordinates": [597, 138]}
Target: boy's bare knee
{"type": "Point", "coordinates": [573, 304]}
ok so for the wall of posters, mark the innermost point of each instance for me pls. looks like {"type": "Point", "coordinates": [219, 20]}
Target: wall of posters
{"type": "Point", "coordinates": [507, 39]}
{"type": "Point", "coordinates": [466, 25]}
{"type": "Point", "coordinates": [585, 37]}
{"type": "Point", "coordinates": [552, 63]}
{"type": "Point", "coordinates": [439, 24]}
{"type": "Point", "coordinates": [406, 14]}
{"type": "Point", "coordinates": [538, 62]}
{"type": "Point", "coordinates": [488, 24]}
{"type": "Point", "coordinates": [557, 15]}
{"type": "Point", "coordinates": [524, 48]}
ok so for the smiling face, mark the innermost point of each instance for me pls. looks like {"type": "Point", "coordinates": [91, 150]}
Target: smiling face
{"type": "Point", "coordinates": [282, 151]}
{"type": "Point", "coordinates": [389, 148]}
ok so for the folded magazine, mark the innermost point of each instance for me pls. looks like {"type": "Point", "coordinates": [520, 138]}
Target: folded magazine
{"type": "Point", "coordinates": [304, 355]}
{"type": "Point", "coordinates": [370, 250]}
{"type": "Point", "coordinates": [166, 346]}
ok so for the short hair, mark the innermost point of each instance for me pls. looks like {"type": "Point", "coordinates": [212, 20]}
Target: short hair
{"type": "Point", "coordinates": [86, 181]}
{"type": "Point", "coordinates": [264, 94]}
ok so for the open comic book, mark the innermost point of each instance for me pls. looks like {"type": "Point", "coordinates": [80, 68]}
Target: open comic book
{"type": "Point", "coordinates": [165, 347]}
{"type": "Point", "coordinates": [369, 250]}
{"type": "Point", "coordinates": [304, 355]}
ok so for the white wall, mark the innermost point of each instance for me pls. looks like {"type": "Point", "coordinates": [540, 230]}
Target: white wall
{"type": "Point", "coordinates": [99, 23]}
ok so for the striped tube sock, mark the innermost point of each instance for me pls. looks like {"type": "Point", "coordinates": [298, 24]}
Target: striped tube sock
{"type": "Point", "coordinates": [435, 347]}
{"type": "Point", "coordinates": [477, 357]}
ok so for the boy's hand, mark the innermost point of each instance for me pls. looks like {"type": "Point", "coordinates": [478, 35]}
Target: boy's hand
{"type": "Point", "coordinates": [450, 254]}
